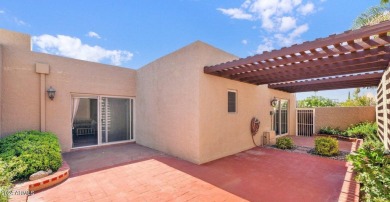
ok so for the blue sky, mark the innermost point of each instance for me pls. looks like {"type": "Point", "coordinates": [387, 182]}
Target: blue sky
{"type": "Point", "coordinates": [134, 33]}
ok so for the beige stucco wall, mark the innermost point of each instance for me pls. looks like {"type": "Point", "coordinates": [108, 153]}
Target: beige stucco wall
{"type": "Point", "coordinates": [15, 39]}
{"type": "Point", "coordinates": [224, 133]}
{"type": "Point", "coordinates": [342, 117]}
{"type": "Point", "coordinates": [167, 104]}
{"type": "Point", "coordinates": [182, 111]}
{"type": "Point", "coordinates": [179, 109]}
{"type": "Point", "coordinates": [21, 104]}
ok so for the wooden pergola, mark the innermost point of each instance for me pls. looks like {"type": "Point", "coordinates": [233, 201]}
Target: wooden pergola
{"type": "Point", "coordinates": [355, 58]}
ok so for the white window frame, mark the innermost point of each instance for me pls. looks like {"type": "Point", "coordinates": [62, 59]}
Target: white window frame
{"type": "Point", "coordinates": [280, 118]}
{"type": "Point", "coordinates": [99, 100]}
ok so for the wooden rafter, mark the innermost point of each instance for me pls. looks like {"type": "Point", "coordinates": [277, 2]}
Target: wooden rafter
{"type": "Point", "coordinates": [349, 81]}
{"type": "Point", "coordinates": [358, 51]}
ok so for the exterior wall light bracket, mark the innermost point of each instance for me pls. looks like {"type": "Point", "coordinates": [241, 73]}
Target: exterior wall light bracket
{"type": "Point", "coordinates": [274, 102]}
{"type": "Point", "coordinates": [51, 92]}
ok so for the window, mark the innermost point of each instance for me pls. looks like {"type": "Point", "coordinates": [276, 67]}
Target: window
{"type": "Point", "coordinates": [232, 99]}
{"type": "Point", "coordinates": [98, 120]}
{"type": "Point", "coordinates": [280, 119]}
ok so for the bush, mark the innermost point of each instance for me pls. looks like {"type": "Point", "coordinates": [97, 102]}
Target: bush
{"type": "Point", "coordinates": [365, 130]}
{"type": "Point", "coordinates": [326, 146]}
{"type": "Point", "coordinates": [5, 181]}
{"type": "Point", "coordinates": [7, 172]}
{"type": "Point", "coordinates": [284, 143]}
{"type": "Point", "coordinates": [330, 131]}
{"type": "Point", "coordinates": [373, 171]}
{"type": "Point", "coordinates": [31, 150]}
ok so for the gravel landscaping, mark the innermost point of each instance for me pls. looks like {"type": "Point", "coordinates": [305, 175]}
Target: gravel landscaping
{"type": "Point", "coordinates": [308, 150]}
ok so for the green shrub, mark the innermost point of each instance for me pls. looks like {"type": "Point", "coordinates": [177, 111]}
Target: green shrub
{"type": "Point", "coordinates": [31, 150]}
{"type": "Point", "coordinates": [7, 172]}
{"type": "Point", "coordinates": [330, 131]}
{"type": "Point", "coordinates": [5, 181]}
{"type": "Point", "coordinates": [326, 146]}
{"type": "Point", "coordinates": [284, 143]}
{"type": "Point", "coordinates": [365, 130]}
{"type": "Point", "coordinates": [373, 171]}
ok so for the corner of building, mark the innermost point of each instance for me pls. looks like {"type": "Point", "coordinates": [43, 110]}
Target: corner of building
{"type": "Point", "coordinates": [15, 39]}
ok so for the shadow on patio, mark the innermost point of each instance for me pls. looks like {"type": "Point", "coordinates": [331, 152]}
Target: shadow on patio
{"type": "Point", "coordinates": [131, 171]}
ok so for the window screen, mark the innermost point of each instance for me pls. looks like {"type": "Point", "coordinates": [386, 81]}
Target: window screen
{"type": "Point", "coordinates": [232, 101]}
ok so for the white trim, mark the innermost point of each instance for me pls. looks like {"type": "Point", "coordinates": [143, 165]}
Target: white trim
{"type": "Point", "coordinates": [102, 145]}
{"type": "Point", "coordinates": [99, 97]}
{"type": "Point", "coordinates": [85, 96]}
{"type": "Point", "coordinates": [278, 108]}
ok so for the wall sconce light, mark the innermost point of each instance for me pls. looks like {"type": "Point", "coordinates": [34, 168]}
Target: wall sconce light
{"type": "Point", "coordinates": [51, 92]}
{"type": "Point", "coordinates": [274, 102]}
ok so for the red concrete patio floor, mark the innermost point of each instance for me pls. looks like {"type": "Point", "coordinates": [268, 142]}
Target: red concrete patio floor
{"type": "Point", "coordinates": [259, 174]}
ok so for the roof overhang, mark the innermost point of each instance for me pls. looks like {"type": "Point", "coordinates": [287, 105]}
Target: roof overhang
{"type": "Point", "coordinates": [355, 58]}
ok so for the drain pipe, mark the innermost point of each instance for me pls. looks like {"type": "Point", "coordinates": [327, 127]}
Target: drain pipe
{"type": "Point", "coordinates": [42, 70]}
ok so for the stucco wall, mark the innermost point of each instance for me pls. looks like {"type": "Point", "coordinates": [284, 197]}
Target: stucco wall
{"type": "Point", "coordinates": [183, 111]}
{"type": "Point", "coordinates": [342, 117]}
{"type": "Point", "coordinates": [167, 114]}
{"type": "Point", "coordinates": [224, 133]}
{"type": "Point", "coordinates": [21, 104]}
{"type": "Point", "coordinates": [15, 40]}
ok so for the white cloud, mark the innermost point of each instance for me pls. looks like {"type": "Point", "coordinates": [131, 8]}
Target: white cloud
{"type": "Point", "coordinates": [74, 48]}
{"type": "Point", "coordinates": [20, 22]}
{"type": "Point", "coordinates": [244, 41]}
{"type": "Point", "coordinates": [291, 38]}
{"type": "Point", "coordinates": [306, 9]}
{"type": "Point", "coordinates": [281, 20]}
{"type": "Point", "coordinates": [2, 12]}
{"type": "Point", "coordinates": [267, 45]}
{"type": "Point", "coordinates": [299, 30]}
{"type": "Point", "coordinates": [236, 13]}
{"type": "Point", "coordinates": [93, 35]}
{"type": "Point", "coordinates": [287, 23]}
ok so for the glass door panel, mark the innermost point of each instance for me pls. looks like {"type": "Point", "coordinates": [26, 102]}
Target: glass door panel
{"type": "Point", "coordinates": [84, 121]}
{"type": "Point", "coordinates": [116, 119]}
{"type": "Point", "coordinates": [280, 117]}
{"type": "Point", "coordinates": [283, 116]}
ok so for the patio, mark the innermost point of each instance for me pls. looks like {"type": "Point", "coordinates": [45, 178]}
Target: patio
{"type": "Point", "coordinates": [130, 172]}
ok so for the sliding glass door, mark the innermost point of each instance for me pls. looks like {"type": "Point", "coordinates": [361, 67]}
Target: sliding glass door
{"type": "Point", "coordinates": [280, 119]}
{"type": "Point", "coordinates": [116, 119]}
{"type": "Point", "coordinates": [100, 120]}
{"type": "Point", "coordinates": [84, 121]}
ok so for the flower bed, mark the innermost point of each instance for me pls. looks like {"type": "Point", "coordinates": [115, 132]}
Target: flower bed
{"type": "Point", "coordinates": [25, 153]}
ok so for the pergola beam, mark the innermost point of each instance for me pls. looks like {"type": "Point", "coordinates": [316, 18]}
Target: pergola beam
{"type": "Point", "coordinates": [349, 35]}
{"type": "Point", "coordinates": [330, 71]}
{"type": "Point", "coordinates": [350, 81]}
{"type": "Point", "coordinates": [327, 56]}
{"type": "Point", "coordinates": [352, 52]}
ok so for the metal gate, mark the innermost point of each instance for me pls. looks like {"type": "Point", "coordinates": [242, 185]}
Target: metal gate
{"type": "Point", "coordinates": [305, 122]}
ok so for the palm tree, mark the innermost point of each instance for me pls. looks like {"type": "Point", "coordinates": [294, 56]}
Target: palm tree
{"type": "Point", "coordinates": [373, 15]}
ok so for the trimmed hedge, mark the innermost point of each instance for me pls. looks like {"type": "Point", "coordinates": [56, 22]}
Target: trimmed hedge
{"type": "Point", "coordinates": [284, 143]}
{"type": "Point", "coordinates": [326, 146]}
{"type": "Point", "coordinates": [29, 152]}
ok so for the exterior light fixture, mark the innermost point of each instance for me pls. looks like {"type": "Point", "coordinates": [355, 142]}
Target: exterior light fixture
{"type": "Point", "coordinates": [274, 102]}
{"type": "Point", "coordinates": [51, 92]}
